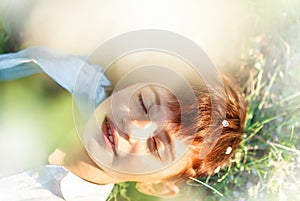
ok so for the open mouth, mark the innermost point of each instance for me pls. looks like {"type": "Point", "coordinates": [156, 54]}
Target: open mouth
{"type": "Point", "coordinates": [109, 132]}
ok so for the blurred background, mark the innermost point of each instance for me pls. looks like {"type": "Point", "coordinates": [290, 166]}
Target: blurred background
{"type": "Point", "coordinates": [257, 41]}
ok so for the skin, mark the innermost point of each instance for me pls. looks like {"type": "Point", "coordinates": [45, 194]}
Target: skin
{"type": "Point", "coordinates": [135, 114]}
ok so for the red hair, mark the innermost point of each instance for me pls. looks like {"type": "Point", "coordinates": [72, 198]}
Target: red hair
{"type": "Point", "coordinates": [212, 123]}
{"type": "Point", "coordinates": [202, 122]}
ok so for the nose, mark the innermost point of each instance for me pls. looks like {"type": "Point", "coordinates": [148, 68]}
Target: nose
{"type": "Point", "coordinates": [142, 130]}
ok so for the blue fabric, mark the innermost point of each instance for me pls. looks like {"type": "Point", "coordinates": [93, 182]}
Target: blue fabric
{"type": "Point", "coordinates": [71, 72]}
{"type": "Point", "coordinates": [51, 183]}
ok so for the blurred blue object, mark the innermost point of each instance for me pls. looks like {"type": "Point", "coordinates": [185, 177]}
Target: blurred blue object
{"type": "Point", "coordinates": [86, 82]}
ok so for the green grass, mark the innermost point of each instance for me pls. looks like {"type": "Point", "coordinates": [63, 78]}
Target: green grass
{"type": "Point", "coordinates": [4, 32]}
{"type": "Point", "coordinates": [267, 164]}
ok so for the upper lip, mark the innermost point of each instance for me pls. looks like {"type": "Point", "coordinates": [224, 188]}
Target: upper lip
{"type": "Point", "coordinates": [109, 131]}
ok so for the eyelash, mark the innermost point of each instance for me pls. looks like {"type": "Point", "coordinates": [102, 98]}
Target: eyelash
{"type": "Point", "coordinates": [143, 104]}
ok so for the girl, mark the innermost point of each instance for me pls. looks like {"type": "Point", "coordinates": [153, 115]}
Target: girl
{"type": "Point", "coordinates": [145, 132]}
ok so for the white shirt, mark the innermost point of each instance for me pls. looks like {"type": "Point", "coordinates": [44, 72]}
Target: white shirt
{"type": "Point", "coordinates": [51, 183]}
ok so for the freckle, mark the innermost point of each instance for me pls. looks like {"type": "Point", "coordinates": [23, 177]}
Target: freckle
{"type": "Point", "coordinates": [228, 150]}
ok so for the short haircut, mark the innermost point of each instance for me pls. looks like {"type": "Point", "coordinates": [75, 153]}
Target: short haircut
{"type": "Point", "coordinates": [212, 143]}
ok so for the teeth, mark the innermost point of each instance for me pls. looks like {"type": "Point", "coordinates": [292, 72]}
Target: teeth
{"type": "Point", "coordinates": [110, 138]}
{"type": "Point", "coordinates": [107, 124]}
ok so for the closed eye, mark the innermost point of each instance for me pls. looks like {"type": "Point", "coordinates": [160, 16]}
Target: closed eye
{"type": "Point", "coordinates": [141, 101]}
{"type": "Point", "coordinates": [161, 146]}
{"type": "Point", "coordinates": [153, 146]}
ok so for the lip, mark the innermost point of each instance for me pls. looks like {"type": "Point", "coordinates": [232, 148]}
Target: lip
{"type": "Point", "coordinates": [110, 135]}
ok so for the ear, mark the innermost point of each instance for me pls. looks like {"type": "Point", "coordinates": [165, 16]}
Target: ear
{"type": "Point", "coordinates": [159, 189]}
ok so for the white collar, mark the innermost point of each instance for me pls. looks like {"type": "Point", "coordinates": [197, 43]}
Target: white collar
{"type": "Point", "coordinates": [74, 188]}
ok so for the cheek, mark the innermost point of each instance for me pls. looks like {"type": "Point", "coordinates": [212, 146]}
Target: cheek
{"type": "Point", "coordinates": [124, 147]}
{"type": "Point", "coordinates": [132, 148]}
{"type": "Point", "coordinates": [135, 111]}
{"type": "Point", "coordinates": [103, 108]}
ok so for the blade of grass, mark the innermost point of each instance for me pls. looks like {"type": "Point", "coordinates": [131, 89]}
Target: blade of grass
{"type": "Point", "coordinates": [253, 98]}
{"type": "Point", "coordinates": [259, 84]}
{"type": "Point", "coordinates": [258, 170]}
{"type": "Point", "coordinates": [291, 97]}
{"type": "Point", "coordinates": [276, 153]}
{"type": "Point", "coordinates": [268, 120]}
{"type": "Point", "coordinates": [284, 147]}
{"type": "Point", "coordinates": [208, 186]}
{"type": "Point", "coordinates": [292, 133]}
{"type": "Point", "coordinates": [267, 91]}
{"type": "Point", "coordinates": [254, 132]}
{"type": "Point", "coordinates": [257, 126]}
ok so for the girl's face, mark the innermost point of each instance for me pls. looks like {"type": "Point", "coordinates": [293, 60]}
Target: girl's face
{"type": "Point", "coordinates": [131, 132]}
